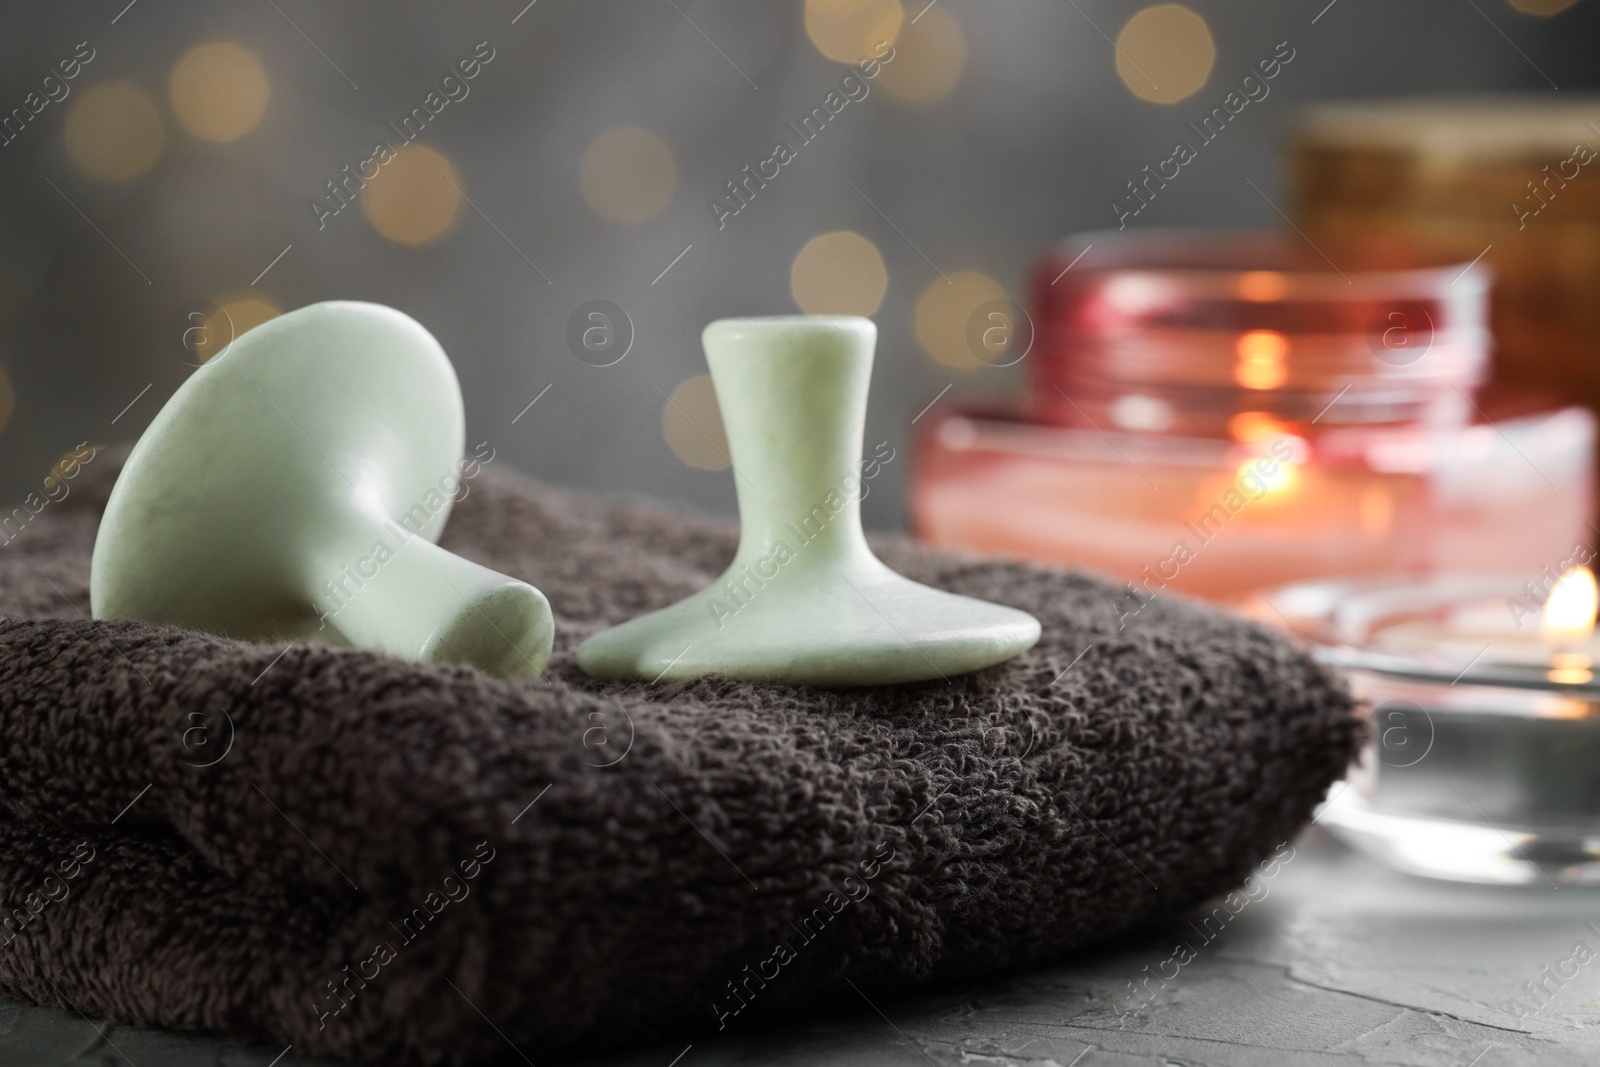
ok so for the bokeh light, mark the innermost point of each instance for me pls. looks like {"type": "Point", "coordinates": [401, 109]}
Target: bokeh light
{"type": "Point", "coordinates": [219, 91]}
{"type": "Point", "coordinates": [691, 423]}
{"type": "Point", "coordinates": [113, 131]}
{"type": "Point", "coordinates": [1250, 427]}
{"type": "Point", "coordinates": [1544, 8]}
{"type": "Point", "coordinates": [1263, 286]}
{"type": "Point", "coordinates": [237, 312]}
{"type": "Point", "coordinates": [8, 399]}
{"type": "Point", "coordinates": [415, 197]}
{"type": "Point", "coordinates": [628, 175]}
{"type": "Point", "coordinates": [1165, 53]}
{"type": "Point", "coordinates": [928, 59]}
{"type": "Point", "coordinates": [1261, 359]}
{"type": "Point", "coordinates": [1142, 414]}
{"type": "Point", "coordinates": [944, 311]}
{"type": "Point", "coordinates": [838, 273]}
{"type": "Point", "coordinates": [850, 30]}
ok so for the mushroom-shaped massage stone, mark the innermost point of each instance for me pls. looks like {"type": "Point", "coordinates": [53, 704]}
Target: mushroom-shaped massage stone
{"type": "Point", "coordinates": [805, 601]}
{"type": "Point", "coordinates": [293, 489]}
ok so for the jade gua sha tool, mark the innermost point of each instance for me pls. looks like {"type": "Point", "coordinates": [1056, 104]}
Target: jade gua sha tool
{"type": "Point", "coordinates": [293, 489]}
{"type": "Point", "coordinates": [805, 601]}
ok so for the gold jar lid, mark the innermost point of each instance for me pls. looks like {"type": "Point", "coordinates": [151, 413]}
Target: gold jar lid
{"type": "Point", "coordinates": [1457, 130]}
{"type": "Point", "coordinates": [1457, 154]}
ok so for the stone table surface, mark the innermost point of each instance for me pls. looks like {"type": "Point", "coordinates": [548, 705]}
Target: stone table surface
{"type": "Point", "coordinates": [1336, 962]}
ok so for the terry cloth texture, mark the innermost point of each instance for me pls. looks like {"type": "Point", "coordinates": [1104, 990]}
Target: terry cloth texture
{"type": "Point", "coordinates": [374, 859]}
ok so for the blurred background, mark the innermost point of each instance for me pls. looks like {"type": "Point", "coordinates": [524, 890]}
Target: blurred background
{"type": "Point", "coordinates": [162, 156]}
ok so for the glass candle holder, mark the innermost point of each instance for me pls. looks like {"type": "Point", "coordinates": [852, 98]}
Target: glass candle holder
{"type": "Point", "coordinates": [1485, 733]}
{"type": "Point", "coordinates": [1221, 412]}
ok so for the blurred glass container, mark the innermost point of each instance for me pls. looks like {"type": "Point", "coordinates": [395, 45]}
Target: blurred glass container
{"type": "Point", "coordinates": [1225, 411]}
{"type": "Point", "coordinates": [1513, 179]}
{"type": "Point", "coordinates": [1483, 761]}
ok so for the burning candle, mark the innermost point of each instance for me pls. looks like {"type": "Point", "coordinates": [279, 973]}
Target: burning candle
{"type": "Point", "coordinates": [1485, 729]}
{"type": "Point", "coordinates": [1212, 412]}
{"type": "Point", "coordinates": [1567, 623]}
{"type": "Point", "coordinates": [1473, 633]}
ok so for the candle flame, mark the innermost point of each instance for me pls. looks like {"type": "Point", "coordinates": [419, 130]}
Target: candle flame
{"type": "Point", "coordinates": [1569, 613]}
{"type": "Point", "coordinates": [1277, 480]}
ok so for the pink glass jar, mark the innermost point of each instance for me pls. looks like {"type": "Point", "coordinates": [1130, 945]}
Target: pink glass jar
{"type": "Point", "coordinates": [1220, 411]}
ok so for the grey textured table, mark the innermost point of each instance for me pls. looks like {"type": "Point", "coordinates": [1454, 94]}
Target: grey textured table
{"type": "Point", "coordinates": [1340, 962]}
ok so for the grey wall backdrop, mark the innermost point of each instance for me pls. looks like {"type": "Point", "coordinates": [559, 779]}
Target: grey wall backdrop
{"type": "Point", "coordinates": [1036, 138]}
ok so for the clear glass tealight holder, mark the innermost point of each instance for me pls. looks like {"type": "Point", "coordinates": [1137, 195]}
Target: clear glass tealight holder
{"type": "Point", "coordinates": [1483, 760]}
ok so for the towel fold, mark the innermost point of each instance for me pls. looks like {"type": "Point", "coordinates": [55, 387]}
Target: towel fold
{"type": "Point", "coordinates": [399, 863]}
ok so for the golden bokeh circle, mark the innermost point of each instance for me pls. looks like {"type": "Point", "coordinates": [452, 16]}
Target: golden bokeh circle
{"type": "Point", "coordinates": [851, 30]}
{"type": "Point", "coordinates": [236, 313]}
{"type": "Point", "coordinates": [219, 91]}
{"type": "Point", "coordinates": [628, 175]}
{"type": "Point", "coordinates": [113, 131]}
{"type": "Point", "coordinates": [1165, 53]}
{"type": "Point", "coordinates": [1542, 8]}
{"type": "Point", "coordinates": [838, 273]}
{"type": "Point", "coordinates": [415, 197]}
{"type": "Point", "coordinates": [944, 311]}
{"type": "Point", "coordinates": [928, 59]}
{"type": "Point", "coordinates": [8, 399]}
{"type": "Point", "coordinates": [691, 424]}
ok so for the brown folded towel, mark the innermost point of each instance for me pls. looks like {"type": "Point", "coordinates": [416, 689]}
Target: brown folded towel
{"type": "Point", "coordinates": [409, 864]}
